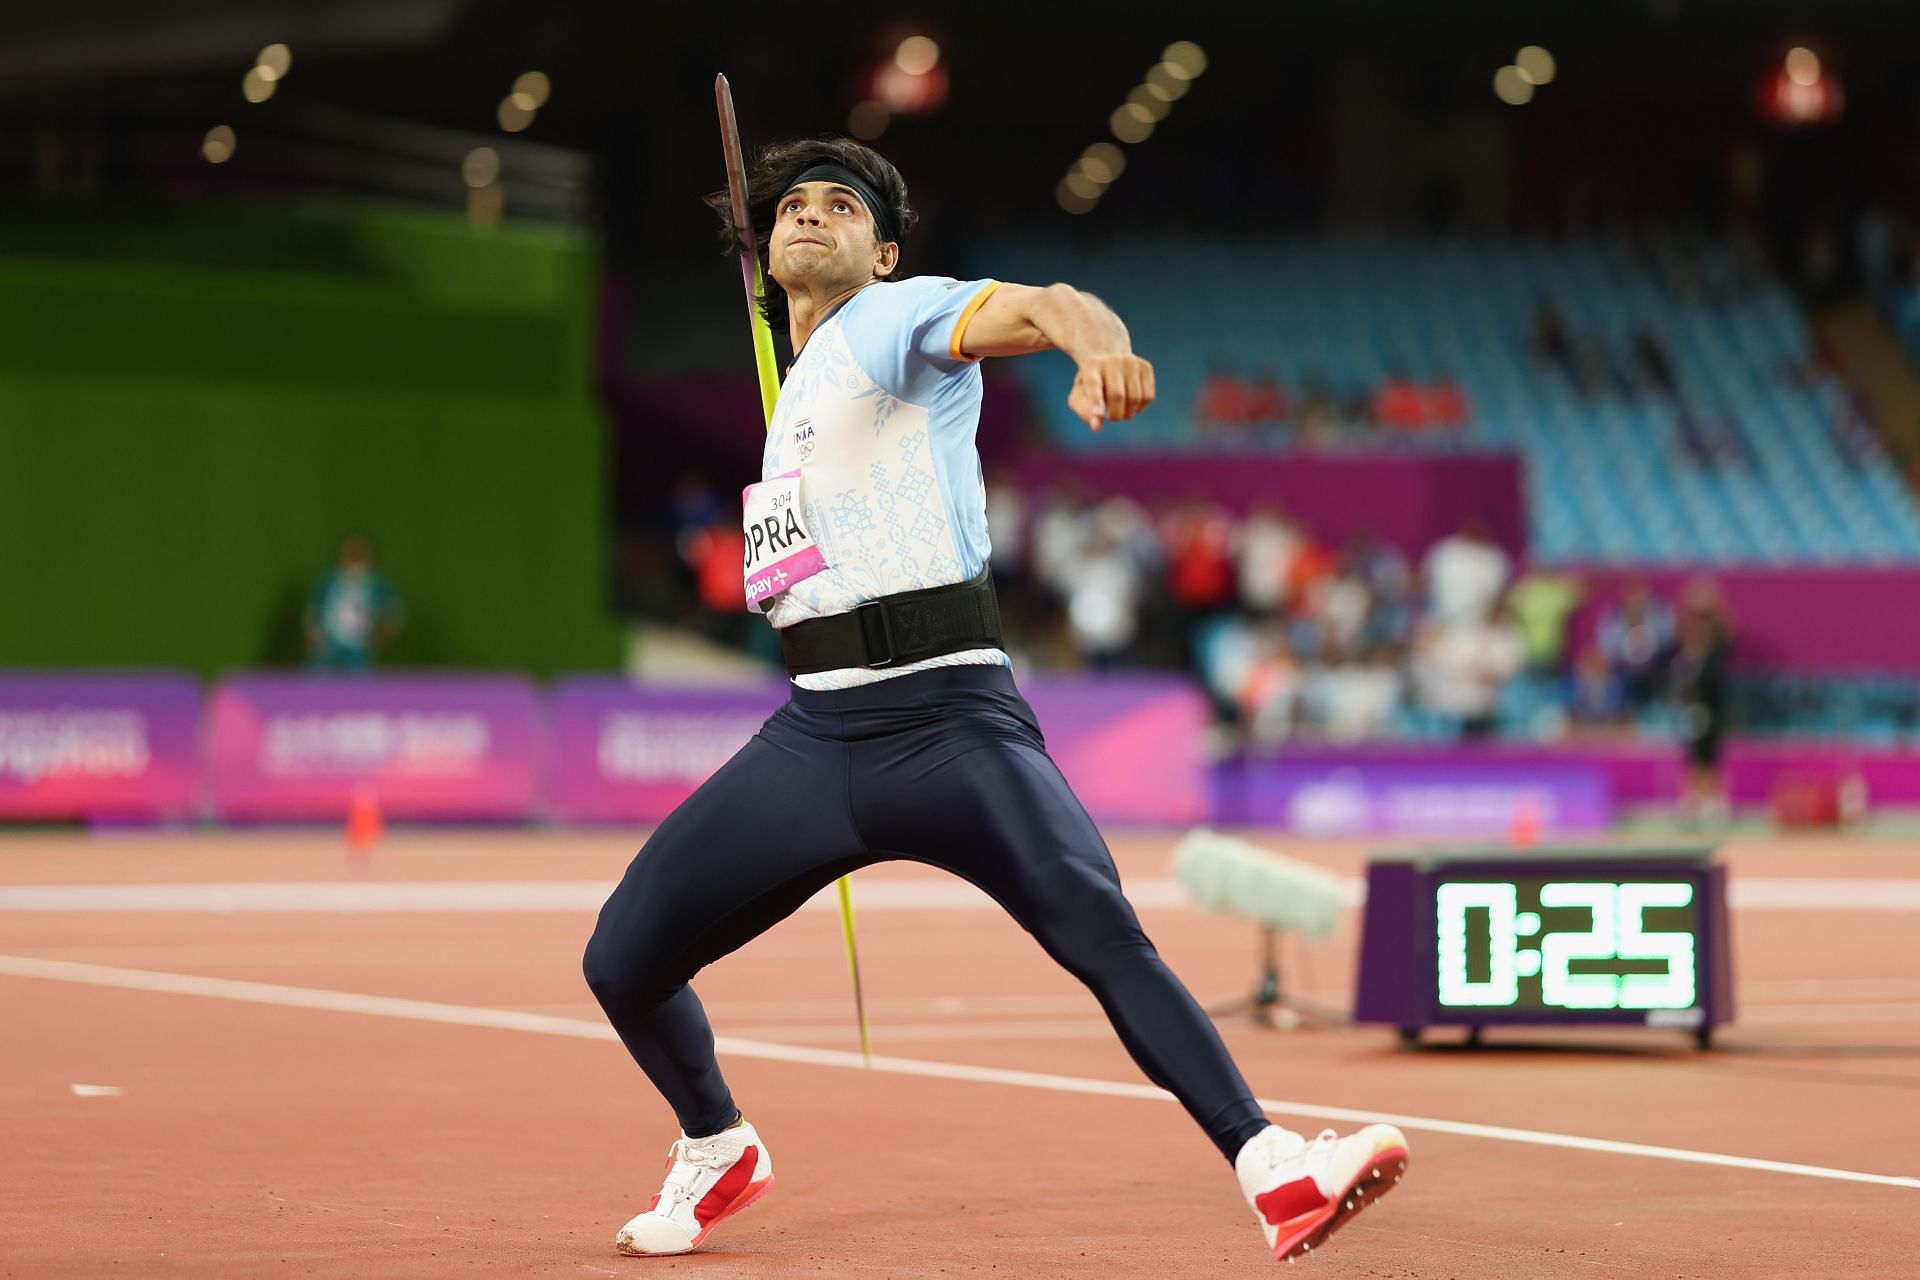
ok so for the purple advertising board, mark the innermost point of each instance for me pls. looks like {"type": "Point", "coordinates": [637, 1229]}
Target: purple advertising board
{"type": "Point", "coordinates": [1636, 772]}
{"type": "Point", "coordinates": [120, 747]}
{"type": "Point", "coordinates": [430, 748]}
{"type": "Point", "coordinates": [1362, 796]}
{"type": "Point", "coordinates": [1130, 746]}
{"type": "Point", "coordinates": [626, 752]}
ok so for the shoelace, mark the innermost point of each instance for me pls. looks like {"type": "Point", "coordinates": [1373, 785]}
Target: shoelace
{"type": "Point", "coordinates": [688, 1161]}
{"type": "Point", "coordinates": [1322, 1142]}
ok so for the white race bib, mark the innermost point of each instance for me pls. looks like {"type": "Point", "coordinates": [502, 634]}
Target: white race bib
{"type": "Point", "coordinates": [780, 551]}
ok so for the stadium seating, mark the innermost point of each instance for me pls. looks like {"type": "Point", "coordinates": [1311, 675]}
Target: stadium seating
{"type": "Point", "coordinates": [1609, 472]}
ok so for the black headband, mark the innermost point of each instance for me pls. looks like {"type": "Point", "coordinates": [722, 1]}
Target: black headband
{"type": "Point", "coordinates": [882, 213]}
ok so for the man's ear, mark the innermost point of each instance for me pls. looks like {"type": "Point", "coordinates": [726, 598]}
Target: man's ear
{"type": "Point", "coordinates": [885, 259]}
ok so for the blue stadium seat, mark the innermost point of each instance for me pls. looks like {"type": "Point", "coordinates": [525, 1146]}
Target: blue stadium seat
{"type": "Point", "coordinates": [1609, 471]}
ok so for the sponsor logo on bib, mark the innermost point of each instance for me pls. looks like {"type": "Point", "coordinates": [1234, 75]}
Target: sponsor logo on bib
{"type": "Point", "coordinates": [779, 550]}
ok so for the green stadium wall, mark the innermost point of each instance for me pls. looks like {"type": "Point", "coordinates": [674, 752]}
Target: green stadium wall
{"type": "Point", "coordinates": [195, 411]}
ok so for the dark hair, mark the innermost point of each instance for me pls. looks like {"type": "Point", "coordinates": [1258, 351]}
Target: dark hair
{"type": "Point", "coordinates": [770, 175]}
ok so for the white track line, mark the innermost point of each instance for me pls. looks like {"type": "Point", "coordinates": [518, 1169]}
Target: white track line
{"type": "Point", "coordinates": [1830, 989]}
{"type": "Point", "coordinates": [1811, 1014]}
{"type": "Point", "coordinates": [579, 1029]}
{"type": "Point", "coordinates": [870, 894]}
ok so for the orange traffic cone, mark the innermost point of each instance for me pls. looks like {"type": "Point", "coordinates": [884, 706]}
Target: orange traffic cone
{"type": "Point", "coordinates": [1527, 821]}
{"type": "Point", "coordinates": [364, 823]}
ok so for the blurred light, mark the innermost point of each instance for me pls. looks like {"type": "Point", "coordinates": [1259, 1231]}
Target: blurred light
{"type": "Point", "coordinates": [907, 94]}
{"type": "Point", "coordinates": [256, 87]}
{"type": "Point", "coordinates": [1103, 162]}
{"type": "Point", "coordinates": [1789, 100]}
{"type": "Point", "coordinates": [481, 167]}
{"type": "Point", "coordinates": [1511, 87]}
{"type": "Point", "coordinates": [1167, 82]}
{"type": "Point", "coordinates": [868, 120]}
{"type": "Point", "coordinates": [1071, 202]}
{"type": "Point", "coordinates": [1083, 184]}
{"type": "Point", "coordinates": [1184, 58]}
{"type": "Point", "coordinates": [1803, 67]}
{"type": "Point", "coordinates": [484, 205]}
{"type": "Point", "coordinates": [535, 87]}
{"type": "Point", "coordinates": [1536, 65]}
{"type": "Point", "coordinates": [1143, 98]}
{"type": "Point", "coordinates": [523, 101]}
{"type": "Point", "coordinates": [218, 145]}
{"type": "Point", "coordinates": [1130, 124]}
{"type": "Point", "coordinates": [276, 60]}
{"type": "Point", "coordinates": [917, 55]}
{"type": "Point", "coordinates": [514, 114]}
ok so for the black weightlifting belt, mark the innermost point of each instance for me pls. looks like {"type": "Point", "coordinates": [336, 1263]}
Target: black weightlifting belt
{"type": "Point", "coordinates": [894, 630]}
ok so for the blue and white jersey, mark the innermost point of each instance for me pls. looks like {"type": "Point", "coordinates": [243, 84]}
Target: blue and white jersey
{"type": "Point", "coordinates": [878, 413]}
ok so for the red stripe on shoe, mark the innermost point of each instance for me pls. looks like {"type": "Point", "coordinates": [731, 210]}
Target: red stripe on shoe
{"type": "Point", "coordinates": [734, 1181]}
{"type": "Point", "coordinates": [653, 1203]}
{"type": "Point", "coordinates": [1289, 1200]}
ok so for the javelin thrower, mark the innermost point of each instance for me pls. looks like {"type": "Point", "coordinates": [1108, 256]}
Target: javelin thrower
{"type": "Point", "coordinates": [905, 737]}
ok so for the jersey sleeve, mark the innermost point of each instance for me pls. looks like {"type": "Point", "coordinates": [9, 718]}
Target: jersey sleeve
{"type": "Point", "coordinates": [934, 312]}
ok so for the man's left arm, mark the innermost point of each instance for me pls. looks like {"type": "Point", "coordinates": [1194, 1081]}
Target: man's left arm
{"type": "Point", "coordinates": [1112, 383]}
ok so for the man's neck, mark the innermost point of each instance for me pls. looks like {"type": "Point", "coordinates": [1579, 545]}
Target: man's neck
{"type": "Point", "coordinates": [805, 311]}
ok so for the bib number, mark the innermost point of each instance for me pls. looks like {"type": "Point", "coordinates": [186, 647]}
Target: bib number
{"type": "Point", "coordinates": [780, 551]}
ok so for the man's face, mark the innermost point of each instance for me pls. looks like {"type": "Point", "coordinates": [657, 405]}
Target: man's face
{"type": "Point", "coordinates": [823, 241]}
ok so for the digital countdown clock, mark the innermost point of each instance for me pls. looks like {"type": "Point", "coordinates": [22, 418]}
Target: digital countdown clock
{"type": "Point", "coordinates": [1594, 936]}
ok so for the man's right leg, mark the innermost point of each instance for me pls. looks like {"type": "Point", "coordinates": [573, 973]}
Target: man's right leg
{"type": "Point", "coordinates": [759, 838]}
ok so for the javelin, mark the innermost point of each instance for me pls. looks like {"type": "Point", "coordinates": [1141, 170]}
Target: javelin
{"type": "Point", "coordinates": [769, 391]}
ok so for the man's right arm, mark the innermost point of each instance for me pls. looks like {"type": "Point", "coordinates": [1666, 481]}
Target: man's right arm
{"type": "Point", "coordinates": [1112, 383]}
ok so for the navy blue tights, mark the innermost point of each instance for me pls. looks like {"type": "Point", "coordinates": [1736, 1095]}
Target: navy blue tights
{"type": "Point", "coordinates": [945, 767]}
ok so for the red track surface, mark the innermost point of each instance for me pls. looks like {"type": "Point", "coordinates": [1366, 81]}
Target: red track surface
{"type": "Point", "coordinates": [252, 1138]}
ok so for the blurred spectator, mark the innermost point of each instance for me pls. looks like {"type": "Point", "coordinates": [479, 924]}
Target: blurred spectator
{"type": "Point", "coordinates": [1390, 583]}
{"type": "Point", "coordinates": [1270, 692]}
{"type": "Point", "coordinates": [1400, 403]}
{"type": "Point", "coordinates": [1109, 582]}
{"type": "Point", "coordinates": [1542, 602]}
{"type": "Point", "coordinates": [1404, 405]}
{"type": "Point", "coordinates": [1447, 403]}
{"type": "Point", "coordinates": [1198, 537]}
{"type": "Point", "coordinates": [1460, 667]}
{"type": "Point", "coordinates": [715, 555]}
{"type": "Point", "coordinates": [1465, 573]}
{"type": "Point", "coordinates": [1552, 345]}
{"type": "Point", "coordinates": [1850, 423]}
{"type": "Point", "coordinates": [1699, 684]}
{"type": "Point", "coordinates": [1652, 365]}
{"type": "Point", "coordinates": [1227, 400]}
{"type": "Point", "coordinates": [1636, 635]}
{"type": "Point", "coordinates": [1319, 414]}
{"type": "Point", "coordinates": [352, 612]}
{"type": "Point", "coordinates": [1007, 529]}
{"type": "Point", "coordinates": [1059, 528]}
{"type": "Point", "coordinates": [1355, 699]}
{"type": "Point", "coordinates": [1596, 696]}
{"type": "Point", "coordinates": [1268, 543]}
{"type": "Point", "coordinates": [1711, 442]}
{"type": "Point", "coordinates": [695, 507]}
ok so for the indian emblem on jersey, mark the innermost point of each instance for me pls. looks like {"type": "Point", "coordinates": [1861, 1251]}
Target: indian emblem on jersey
{"type": "Point", "coordinates": [803, 438]}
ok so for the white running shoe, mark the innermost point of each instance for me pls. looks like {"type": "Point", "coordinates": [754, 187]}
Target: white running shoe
{"type": "Point", "coordinates": [1303, 1192]}
{"type": "Point", "coordinates": [708, 1180]}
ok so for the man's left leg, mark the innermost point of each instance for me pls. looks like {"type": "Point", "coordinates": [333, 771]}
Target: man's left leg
{"type": "Point", "coordinates": [984, 800]}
